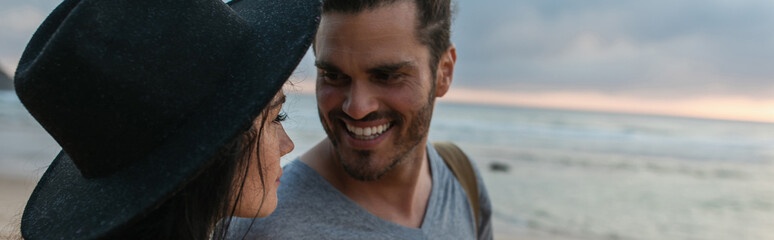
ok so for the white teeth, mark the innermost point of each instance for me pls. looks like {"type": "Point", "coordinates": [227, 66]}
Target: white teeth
{"type": "Point", "coordinates": [368, 132]}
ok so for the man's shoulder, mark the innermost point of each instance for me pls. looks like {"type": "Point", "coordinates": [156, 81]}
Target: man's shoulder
{"type": "Point", "coordinates": [295, 172]}
{"type": "Point", "coordinates": [300, 182]}
{"type": "Point", "coordinates": [438, 162]}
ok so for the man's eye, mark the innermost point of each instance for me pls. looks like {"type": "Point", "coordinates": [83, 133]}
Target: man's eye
{"type": "Point", "coordinates": [387, 77]}
{"type": "Point", "coordinates": [333, 77]}
{"type": "Point", "coordinates": [382, 76]}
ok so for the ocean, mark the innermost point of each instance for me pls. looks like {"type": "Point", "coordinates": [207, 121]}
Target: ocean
{"type": "Point", "coordinates": [569, 174]}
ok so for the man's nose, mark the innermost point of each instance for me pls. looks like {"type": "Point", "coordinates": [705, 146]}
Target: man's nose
{"type": "Point", "coordinates": [360, 101]}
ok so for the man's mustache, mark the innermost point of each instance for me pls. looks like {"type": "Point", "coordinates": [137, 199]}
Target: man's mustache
{"type": "Point", "coordinates": [391, 115]}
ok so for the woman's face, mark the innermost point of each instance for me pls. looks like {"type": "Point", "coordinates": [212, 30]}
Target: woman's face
{"type": "Point", "coordinates": [272, 144]}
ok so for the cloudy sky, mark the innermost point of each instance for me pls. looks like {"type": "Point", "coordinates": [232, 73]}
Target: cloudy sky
{"type": "Point", "coordinates": [673, 49]}
{"type": "Point", "coordinates": [697, 58]}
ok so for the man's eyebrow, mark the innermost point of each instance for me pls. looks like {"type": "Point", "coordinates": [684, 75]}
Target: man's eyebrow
{"type": "Point", "coordinates": [278, 102]}
{"type": "Point", "coordinates": [390, 67]}
{"type": "Point", "coordinates": [325, 65]}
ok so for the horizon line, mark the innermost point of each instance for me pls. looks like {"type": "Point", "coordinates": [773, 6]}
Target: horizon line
{"type": "Point", "coordinates": [726, 108]}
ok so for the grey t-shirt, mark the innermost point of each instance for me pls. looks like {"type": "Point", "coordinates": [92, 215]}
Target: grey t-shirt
{"type": "Point", "coordinates": [311, 208]}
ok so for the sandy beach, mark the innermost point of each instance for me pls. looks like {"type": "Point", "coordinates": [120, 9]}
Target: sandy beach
{"type": "Point", "coordinates": [17, 191]}
{"type": "Point", "coordinates": [15, 194]}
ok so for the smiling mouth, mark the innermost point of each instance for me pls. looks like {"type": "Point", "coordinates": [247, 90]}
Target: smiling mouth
{"type": "Point", "coordinates": [367, 133]}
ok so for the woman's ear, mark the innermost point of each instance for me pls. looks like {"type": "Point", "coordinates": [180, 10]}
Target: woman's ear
{"type": "Point", "coordinates": [445, 71]}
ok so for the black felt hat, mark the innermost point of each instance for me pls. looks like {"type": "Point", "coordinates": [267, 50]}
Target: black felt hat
{"type": "Point", "coordinates": [141, 94]}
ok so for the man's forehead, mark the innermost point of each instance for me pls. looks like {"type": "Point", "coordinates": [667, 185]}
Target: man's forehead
{"type": "Point", "coordinates": [376, 65]}
{"type": "Point", "coordinates": [380, 22]}
{"type": "Point", "coordinates": [345, 33]}
{"type": "Point", "coordinates": [383, 37]}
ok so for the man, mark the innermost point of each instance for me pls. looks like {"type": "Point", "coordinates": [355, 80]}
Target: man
{"type": "Point", "coordinates": [381, 64]}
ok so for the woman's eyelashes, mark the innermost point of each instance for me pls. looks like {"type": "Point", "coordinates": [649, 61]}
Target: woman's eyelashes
{"type": "Point", "coordinates": [281, 117]}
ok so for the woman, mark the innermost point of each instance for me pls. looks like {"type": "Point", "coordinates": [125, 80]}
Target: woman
{"type": "Point", "coordinates": [167, 113]}
{"type": "Point", "coordinates": [242, 181]}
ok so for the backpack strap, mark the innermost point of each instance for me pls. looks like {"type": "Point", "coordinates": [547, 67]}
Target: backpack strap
{"type": "Point", "coordinates": [460, 165]}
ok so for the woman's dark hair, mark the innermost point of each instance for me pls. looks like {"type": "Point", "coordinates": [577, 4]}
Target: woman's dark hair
{"type": "Point", "coordinates": [203, 208]}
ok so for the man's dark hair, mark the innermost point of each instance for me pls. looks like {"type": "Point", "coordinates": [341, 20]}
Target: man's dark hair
{"type": "Point", "coordinates": [433, 21]}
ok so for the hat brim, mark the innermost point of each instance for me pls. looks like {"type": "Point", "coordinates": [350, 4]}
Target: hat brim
{"type": "Point", "coordinates": [69, 206]}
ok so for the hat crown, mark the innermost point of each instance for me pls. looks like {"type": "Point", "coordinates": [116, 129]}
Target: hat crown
{"type": "Point", "coordinates": [112, 92]}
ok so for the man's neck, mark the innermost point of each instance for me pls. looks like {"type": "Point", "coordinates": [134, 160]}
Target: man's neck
{"type": "Point", "coordinates": [400, 196]}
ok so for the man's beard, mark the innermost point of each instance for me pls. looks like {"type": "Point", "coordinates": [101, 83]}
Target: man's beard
{"type": "Point", "coordinates": [362, 164]}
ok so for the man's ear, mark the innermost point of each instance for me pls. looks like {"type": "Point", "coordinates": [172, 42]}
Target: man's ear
{"type": "Point", "coordinates": [445, 71]}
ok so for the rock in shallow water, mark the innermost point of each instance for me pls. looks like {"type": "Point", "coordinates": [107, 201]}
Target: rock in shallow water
{"type": "Point", "coordinates": [498, 167]}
